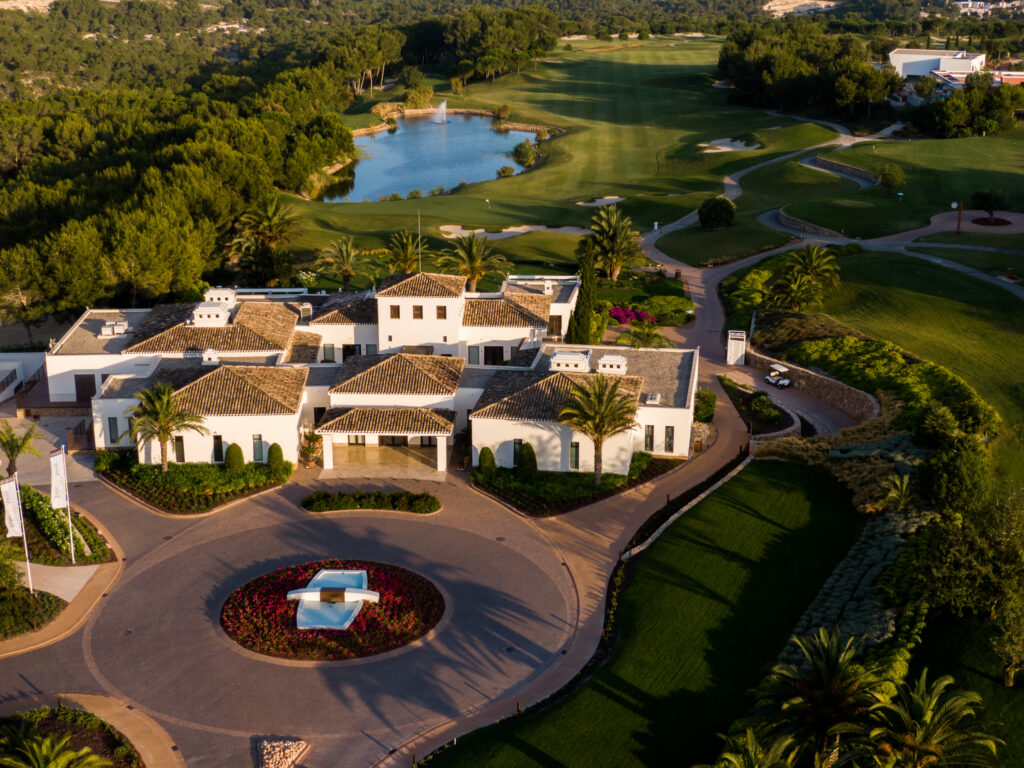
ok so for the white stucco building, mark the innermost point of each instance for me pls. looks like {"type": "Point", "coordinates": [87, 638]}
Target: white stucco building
{"type": "Point", "coordinates": [919, 62]}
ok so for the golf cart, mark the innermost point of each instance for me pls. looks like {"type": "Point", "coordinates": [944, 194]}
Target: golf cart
{"type": "Point", "coordinates": [777, 377]}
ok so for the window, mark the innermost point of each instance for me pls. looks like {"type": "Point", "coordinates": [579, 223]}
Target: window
{"type": "Point", "coordinates": [494, 355]}
{"type": "Point", "coordinates": [257, 447]}
{"type": "Point", "coordinates": [574, 455]}
{"type": "Point", "coordinates": [179, 449]}
{"type": "Point", "coordinates": [350, 350]}
{"type": "Point", "coordinates": [474, 355]}
{"type": "Point", "coordinates": [371, 349]}
{"type": "Point", "coordinates": [357, 439]}
{"type": "Point", "coordinates": [670, 439]}
{"type": "Point", "coordinates": [555, 325]}
{"type": "Point", "coordinates": [396, 312]}
{"type": "Point", "coordinates": [328, 353]}
{"type": "Point", "coordinates": [649, 438]}
{"type": "Point", "coordinates": [318, 413]}
{"type": "Point", "coordinates": [218, 449]}
{"type": "Point", "coordinates": [442, 312]}
{"type": "Point", "coordinates": [417, 312]}
{"type": "Point", "coordinates": [113, 433]}
{"type": "Point", "coordinates": [517, 446]}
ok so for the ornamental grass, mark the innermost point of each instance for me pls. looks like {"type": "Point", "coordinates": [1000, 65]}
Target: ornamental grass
{"type": "Point", "coordinates": [259, 616]}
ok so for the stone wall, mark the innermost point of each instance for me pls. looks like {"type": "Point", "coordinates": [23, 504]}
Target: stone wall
{"type": "Point", "coordinates": [857, 404]}
{"type": "Point", "coordinates": [852, 170]}
{"type": "Point", "coordinates": [805, 226]}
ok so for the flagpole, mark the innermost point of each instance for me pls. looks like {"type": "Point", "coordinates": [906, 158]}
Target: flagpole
{"type": "Point", "coordinates": [24, 537]}
{"type": "Point", "coordinates": [71, 527]}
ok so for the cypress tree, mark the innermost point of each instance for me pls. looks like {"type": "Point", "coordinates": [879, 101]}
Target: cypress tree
{"type": "Point", "coordinates": [581, 322]}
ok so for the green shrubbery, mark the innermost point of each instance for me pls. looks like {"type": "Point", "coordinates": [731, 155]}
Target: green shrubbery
{"type": "Point", "coordinates": [68, 720]}
{"type": "Point", "coordinates": [47, 529]}
{"type": "Point", "coordinates": [487, 466]}
{"type": "Point", "coordinates": [234, 460]}
{"type": "Point", "coordinates": [190, 488]}
{"type": "Point", "coordinates": [716, 213]}
{"type": "Point", "coordinates": [525, 154]}
{"type": "Point", "coordinates": [403, 501]}
{"type": "Point", "coordinates": [275, 459]}
{"type": "Point", "coordinates": [763, 409]}
{"type": "Point", "coordinates": [704, 409]}
{"type": "Point", "coordinates": [670, 310]}
{"type": "Point", "coordinates": [526, 467]}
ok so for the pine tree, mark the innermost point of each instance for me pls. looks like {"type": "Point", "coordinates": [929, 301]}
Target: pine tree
{"type": "Point", "coordinates": [581, 322]}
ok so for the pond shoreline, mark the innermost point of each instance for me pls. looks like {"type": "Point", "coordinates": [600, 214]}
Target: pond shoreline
{"type": "Point", "coordinates": [425, 112]}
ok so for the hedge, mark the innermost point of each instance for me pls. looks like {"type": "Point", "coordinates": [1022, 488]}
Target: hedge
{"type": "Point", "coordinates": [402, 501]}
{"type": "Point", "coordinates": [52, 524]}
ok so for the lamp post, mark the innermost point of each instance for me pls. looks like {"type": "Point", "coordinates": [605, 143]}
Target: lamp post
{"type": "Point", "coordinates": [959, 208]}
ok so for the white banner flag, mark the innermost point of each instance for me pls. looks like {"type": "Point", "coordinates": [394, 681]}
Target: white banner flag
{"type": "Point", "coordinates": [12, 506]}
{"type": "Point", "coordinates": [58, 480]}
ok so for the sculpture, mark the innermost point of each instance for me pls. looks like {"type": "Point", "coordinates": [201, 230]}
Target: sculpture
{"type": "Point", "coordinates": [332, 599]}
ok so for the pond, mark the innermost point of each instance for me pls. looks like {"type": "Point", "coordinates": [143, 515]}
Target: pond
{"type": "Point", "coordinates": [425, 155]}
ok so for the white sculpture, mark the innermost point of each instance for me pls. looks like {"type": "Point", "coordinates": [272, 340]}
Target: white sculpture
{"type": "Point", "coordinates": [332, 599]}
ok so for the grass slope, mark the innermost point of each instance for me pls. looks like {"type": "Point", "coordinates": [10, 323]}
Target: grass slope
{"type": "Point", "coordinates": [938, 172]}
{"type": "Point", "coordinates": [633, 115]}
{"type": "Point", "coordinates": [704, 614]}
{"type": "Point", "coordinates": [972, 328]}
{"type": "Point", "coordinates": [992, 262]}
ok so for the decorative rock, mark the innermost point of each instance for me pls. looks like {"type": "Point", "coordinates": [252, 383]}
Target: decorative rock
{"type": "Point", "coordinates": [280, 753]}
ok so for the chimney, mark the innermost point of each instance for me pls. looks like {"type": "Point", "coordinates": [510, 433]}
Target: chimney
{"type": "Point", "coordinates": [612, 364]}
{"type": "Point", "coordinates": [211, 357]}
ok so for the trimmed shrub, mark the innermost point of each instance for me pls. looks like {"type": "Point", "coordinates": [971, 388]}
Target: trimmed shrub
{"type": "Point", "coordinates": [275, 458]}
{"type": "Point", "coordinates": [402, 501]}
{"type": "Point", "coordinates": [763, 409]}
{"type": "Point", "coordinates": [716, 213]}
{"type": "Point", "coordinates": [505, 171]}
{"type": "Point", "coordinates": [503, 112]}
{"type": "Point", "coordinates": [526, 469]}
{"type": "Point", "coordinates": [669, 310]}
{"type": "Point", "coordinates": [704, 407]}
{"type": "Point", "coordinates": [487, 465]}
{"type": "Point", "coordinates": [234, 461]}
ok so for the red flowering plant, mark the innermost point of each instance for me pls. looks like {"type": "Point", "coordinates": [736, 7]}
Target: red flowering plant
{"type": "Point", "coordinates": [260, 617]}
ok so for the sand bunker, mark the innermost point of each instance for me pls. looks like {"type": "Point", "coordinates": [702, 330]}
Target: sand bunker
{"type": "Point", "coordinates": [606, 200]}
{"type": "Point", "coordinates": [452, 231]}
{"type": "Point", "coordinates": [727, 145]}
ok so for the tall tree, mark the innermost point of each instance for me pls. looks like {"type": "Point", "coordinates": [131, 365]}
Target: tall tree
{"type": "Point", "coordinates": [270, 224]}
{"type": "Point", "coordinates": [753, 752]}
{"type": "Point", "coordinates": [341, 259]}
{"type": "Point", "coordinates": [794, 292]}
{"type": "Point", "coordinates": [13, 445]}
{"type": "Point", "coordinates": [617, 243]}
{"type": "Point", "coordinates": [404, 253]}
{"type": "Point", "coordinates": [816, 263]}
{"type": "Point", "coordinates": [473, 258]}
{"type": "Point", "coordinates": [597, 409]}
{"type": "Point", "coordinates": [158, 416]}
{"type": "Point", "coordinates": [582, 319]}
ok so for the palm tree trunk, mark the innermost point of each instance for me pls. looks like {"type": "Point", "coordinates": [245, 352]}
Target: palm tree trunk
{"type": "Point", "coordinates": [1009, 673]}
{"type": "Point", "coordinates": [472, 284]}
{"type": "Point", "coordinates": [163, 455]}
{"type": "Point", "coordinates": [11, 467]}
{"type": "Point", "coordinates": [598, 461]}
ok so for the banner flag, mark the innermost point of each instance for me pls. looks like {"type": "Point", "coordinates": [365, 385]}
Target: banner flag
{"type": "Point", "coordinates": [12, 507]}
{"type": "Point", "coordinates": [58, 480]}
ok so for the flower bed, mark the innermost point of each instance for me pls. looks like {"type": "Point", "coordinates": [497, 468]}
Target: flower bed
{"type": "Point", "coordinates": [84, 730]}
{"type": "Point", "coordinates": [403, 501]}
{"type": "Point", "coordinates": [258, 616]}
{"type": "Point", "coordinates": [552, 493]}
{"type": "Point", "coordinates": [47, 529]}
{"type": "Point", "coordinates": [21, 611]}
{"type": "Point", "coordinates": [186, 489]}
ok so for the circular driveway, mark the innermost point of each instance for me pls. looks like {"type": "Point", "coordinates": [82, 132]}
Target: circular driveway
{"type": "Point", "coordinates": [158, 643]}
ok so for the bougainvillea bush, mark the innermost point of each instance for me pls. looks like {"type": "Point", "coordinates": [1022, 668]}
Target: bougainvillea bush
{"type": "Point", "coordinates": [627, 316]}
{"type": "Point", "coordinates": [259, 616]}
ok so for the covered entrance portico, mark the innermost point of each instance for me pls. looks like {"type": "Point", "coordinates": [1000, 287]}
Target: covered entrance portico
{"type": "Point", "coordinates": [389, 438]}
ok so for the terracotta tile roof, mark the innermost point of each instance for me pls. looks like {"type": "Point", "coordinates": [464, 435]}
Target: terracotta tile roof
{"type": "Point", "coordinates": [428, 285]}
{"type": "Point", "coordinates": [352, 310]}
{"type": "Point", "coordinates": [400, 374]}
{"type": "Point", "coordinates": [305, 347]}
{"type": "Point", "coordinates": [258, 326]}
{"type": "Point", "coordinates": [538, 304]}
{"type": "Point", "coordinates": [512, 396]}
{"type": "Point", "coordinates": [505, 313]}
{"type": "Point", "coordinates": [388, 421]}
{"type": "Point", "coordinates": [243, 390]}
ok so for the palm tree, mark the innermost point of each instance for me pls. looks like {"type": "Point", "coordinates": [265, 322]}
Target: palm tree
{"type": "Point", "coordinates": [13, 445]}
{"type": "Point", "coordinates": [897, 492]}
{"type": "Point", "coordinates": [644, 334]}
{"type": "Point", "coordinates": [794, 292]}
{"type": "Point", "coordinates": [472, 257]}
{"type": "Point", "coordinates": [929, 726]}
{"type": "Point", "coordinates": [597, 409]}
{"type": "Point", "coordinates": [617, 243]}
{"type": "Point", "coordinates": [403, 256]}
{"type": "Point", "coordinates": [47, 752]}
{"type": "Point", "coordinates": [817, 263]}
{"type": "Point", "coordinates": [751, 753]}
{"type": "Point", "coordinates": [268, 225]}
{"type": "Point", "coordinates": [158, 416]}
{"type": "Point", "coordinates": [818, 701]}
{"type": "Point", "coordinates": [340, 259]}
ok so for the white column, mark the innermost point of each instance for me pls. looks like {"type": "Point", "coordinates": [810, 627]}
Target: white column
{"type": "Point", "coordinates": [328, 452]}
{"type": "Point", "coordinates": [442, 454]}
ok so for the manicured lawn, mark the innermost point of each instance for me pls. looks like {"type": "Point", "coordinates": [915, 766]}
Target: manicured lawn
{"type": "Point", "coordinates": [633, 115]}
{"type": "Point", "coordinates": [970, 327]}
{"type": "Point", "coordinates": [960, 647]}
{"type": "Point", "coordinates": [938, 172]}
{"type": "Point", "coordinates": [639, 289]}
{"type": "Point", "coordinates": [1013, 242]}
{"type": "Point", "coordinates": [702, 618]}
{"type": "Point", "coordinates": [763, 190]}
{"type": "Point", "coordinates": [992, 262]}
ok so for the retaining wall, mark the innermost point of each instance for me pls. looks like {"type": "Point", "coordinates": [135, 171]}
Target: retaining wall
{"type": "Point", "coordinates": [857, 404]}
{"type": "Point", "coordinates": [805, 226]}
{"type": "Point", "coordinates": [852, 170]}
